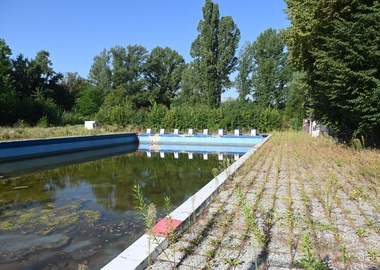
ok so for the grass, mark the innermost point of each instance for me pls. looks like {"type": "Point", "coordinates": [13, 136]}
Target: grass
{"type": "Point", "coordinates": [24, 132]}
{"type": "Point", "coordinates": [317, 199]}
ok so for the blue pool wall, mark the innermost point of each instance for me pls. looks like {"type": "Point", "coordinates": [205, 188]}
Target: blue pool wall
{"type": "Point", "coordinates": [39, 147]}
{"type": "Point", "coordinates": [21, 149]}
{"type": "Point", "coordinates": [200, 139]}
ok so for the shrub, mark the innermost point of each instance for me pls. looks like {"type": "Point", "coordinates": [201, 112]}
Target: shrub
{"type": "Point", "coordinates": [269, 120]}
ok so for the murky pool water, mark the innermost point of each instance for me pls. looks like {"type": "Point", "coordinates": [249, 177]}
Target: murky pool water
{"type": "Point", "coordinates": [56, 218]}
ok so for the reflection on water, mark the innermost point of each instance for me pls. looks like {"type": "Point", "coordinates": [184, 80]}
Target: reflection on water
{"type": "Point", "coordinates": [23, 166]}
{"type": "Point", "coordinates": [54, 219]}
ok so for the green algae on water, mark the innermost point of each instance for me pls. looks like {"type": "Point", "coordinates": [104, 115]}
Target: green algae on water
{"type": "Point", "coordinates": [45, 221]}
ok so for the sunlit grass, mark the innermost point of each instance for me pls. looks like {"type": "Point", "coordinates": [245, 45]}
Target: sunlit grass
{"type": "Point", "coordinates": [21, 133]}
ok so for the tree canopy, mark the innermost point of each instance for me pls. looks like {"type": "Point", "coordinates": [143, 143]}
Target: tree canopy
{"type": "Point", "coordinates": [264, 71]}
{"type": "Point", "coordinates": [337, 44]}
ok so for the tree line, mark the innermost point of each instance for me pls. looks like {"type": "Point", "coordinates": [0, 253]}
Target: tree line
{"type": "Point", "coordinates": [131, 86]}
{"type": "Point", "coordinates": [324, 66]}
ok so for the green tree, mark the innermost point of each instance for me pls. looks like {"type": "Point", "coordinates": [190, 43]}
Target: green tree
{"type": "Point", "coordinates": [22, 82]}
{"type": "Point", "coordinates": [135, 83]}
{"type": "Point", "coordinates": [8, 97]}
{"type": "Point", "coordinates": [72, 84]}
{"type": "Point", "coordinates": [243, 81]}
{"type": "Point", "coordinates": [5, 63]}
{"type": "Point", "coordinates": [336, 43]}
{"type": "Point", "coordinates": [125, 68]}
{"type": "Point", "coordinates": [89, 100]}
{"type": "Point", "coordinates": [100, 72]}
{"type": "Point", "coordinates": [271, 70]}
{"type": "Point", "coordinates": [44, 78]}
{"type": "Point", "coordinates": [190, 92]}
{"type": "Point", "coordinates": [163, 74]}
{"type": "Point", "coordinates": [35, 76]}
{"type": "Point", "coordinates": [119, 66]}
{"type": "Point", "coordinates": [214, 52]}
{"type": "Point", "coordinates": [115, 97]}
{"type": "Point", "coordinates": [297, 105]}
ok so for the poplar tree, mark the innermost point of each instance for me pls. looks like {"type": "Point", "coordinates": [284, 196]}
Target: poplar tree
{"type": "Point", "coordinates": [214, 52]}
{"type": "Point", "coordinates": [243, 81]}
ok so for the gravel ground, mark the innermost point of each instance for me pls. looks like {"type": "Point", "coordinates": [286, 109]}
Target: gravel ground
{"type": "Point", "coordinates": [297, 203]}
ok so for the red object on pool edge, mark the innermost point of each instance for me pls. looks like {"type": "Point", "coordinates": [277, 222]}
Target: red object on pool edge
{"type": "Point", "coordinates": [166, 226]}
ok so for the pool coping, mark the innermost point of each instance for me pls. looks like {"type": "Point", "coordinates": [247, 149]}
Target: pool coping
{"type": "Point", "coordinates": [147, 248]}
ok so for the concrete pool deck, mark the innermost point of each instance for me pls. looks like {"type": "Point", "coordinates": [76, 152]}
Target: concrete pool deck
{"type": "Point", "coordinates": [148, 247]}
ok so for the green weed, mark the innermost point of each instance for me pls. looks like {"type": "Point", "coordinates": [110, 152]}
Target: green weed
{"type": "Point", "coordinates": [344, 256]}
{"type": "Point", "coordinates": [361, 232]}
{"type": "Point", "coordinates": [373, 255]}
{"type": "Point", "coordinates": [232, 261]}
{"type": "Point", "coordinates": [309, 261]}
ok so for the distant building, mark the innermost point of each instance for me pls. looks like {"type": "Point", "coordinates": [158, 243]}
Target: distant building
{"type": "Point", "coordinates": [311, 126]}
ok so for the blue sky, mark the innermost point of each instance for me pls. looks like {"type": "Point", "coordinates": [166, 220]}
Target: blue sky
{"type": "Point", "coordinates": [74, 31]}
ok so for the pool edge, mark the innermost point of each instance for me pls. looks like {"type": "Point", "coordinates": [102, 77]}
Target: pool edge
{"type": "Point", "coordinates": [148, 247]}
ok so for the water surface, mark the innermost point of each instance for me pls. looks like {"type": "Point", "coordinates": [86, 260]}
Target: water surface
{"type": "Point", "coordinates": [56, 218]}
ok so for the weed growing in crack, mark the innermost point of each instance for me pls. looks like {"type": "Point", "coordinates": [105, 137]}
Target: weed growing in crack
{"type": "Point", "coordinates": [232, 261]}
{"type": "Point", "coordinates": [224, 165]}
{"type": "Point", "coordinates": [304, 197]}
{"type": "Point", "coordinates": [373, 255]}
{"type": "Point", "coordinates": [149, 214]}
{"type": "Point", "coordinates": [370, 222]}
{"type": "Point", "coordinates": [215, 242]}
{"type": "Point", "coordinates": [361, 232]}
{"type": "Point", "coordinates": [344, 256]}
{"type": "Point", "coordinates": [328, 204]}
{"type": "Point", "coordinates": [201, 234]}
{"type": "Point", "coordinates": [339, 163]}
{"type": "Point", "coordinates": [309, 260]}
{"type": "Point", "coordinates": [290, 218]}
{"type": "Point", "coordinates": [226, 221]}
{"type": "Point", "coordinates": [211, 253]}
{"type": "Point", "coordinates": [171, 236]}
{"type": "Point", "coordinates": [233, 245]}
{"type": "Point", "coordinates": [356, 193]}
{"type": "Point", "coordinates": [84, 265]}
{"type": "Point", "coordinates": [249, 216]}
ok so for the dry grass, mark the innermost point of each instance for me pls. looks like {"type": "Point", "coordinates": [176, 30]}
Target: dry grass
{"type": "Point", "coordinates": [298, 203]}
{"type": "Point", "coordinates": [23, 132]}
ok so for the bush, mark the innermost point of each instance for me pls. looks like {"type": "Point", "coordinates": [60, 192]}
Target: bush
{"type": "Point", "coordinates": [119, 115]}
{"type": "Point", "coordinates": [156, 115]}
{"type": "Point", "coordinates": [270, 120]}
{"type": "Point", "coordinates": [72, 118]}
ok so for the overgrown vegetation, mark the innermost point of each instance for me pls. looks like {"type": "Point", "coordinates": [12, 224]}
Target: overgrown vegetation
{"type": "Point", "coordinates": [308, 202]}
{"type": "Point", "coordinates": [334, 44]}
